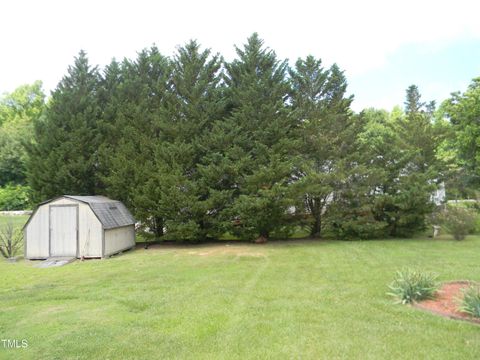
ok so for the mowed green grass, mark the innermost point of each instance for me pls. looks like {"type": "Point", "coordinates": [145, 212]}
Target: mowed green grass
{"type": "Point", "coordinates": [295, 299]}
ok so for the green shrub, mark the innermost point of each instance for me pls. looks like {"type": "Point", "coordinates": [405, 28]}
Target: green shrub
{"type": "Point", "coordinates": [412, 285]}
{"type": "Point", "coordinates": [459, 221]}
{"type": "Point", "coordinates": [10, 240]}
{"type": "Point", "coordinates": [14, 197]}
{"type": "Point", "coordinates": [471, 301]}
{"type": "Point", "coordinates": [475, 208]}
{"type": "Point", "coordinates": [353, 223]}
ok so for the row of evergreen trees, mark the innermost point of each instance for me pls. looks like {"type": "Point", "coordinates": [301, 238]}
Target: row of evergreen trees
{"type": "Point", "coordinates": [198, 147]}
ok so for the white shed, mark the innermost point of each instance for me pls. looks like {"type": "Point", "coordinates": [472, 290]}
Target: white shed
{"type": "Point", "coordinates": [79, 226]}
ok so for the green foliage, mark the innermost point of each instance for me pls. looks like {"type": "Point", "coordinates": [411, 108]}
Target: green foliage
{"type": "Point", "coordinates": [133, 94]}
{"type": "Point", "coordinates": [197, 147]}
{"type": "Point", "coordinates": [24, 103]}
{"type": "Point", "coordinates": [157, 116]}
{"type": "Point", "coordinates": [254, 145]}
{"type": "Point", "coordinates": [15, 197]}
{"type": "Point", "coordinates": [471, 301]}
{"type": "Point", "coordinates": [12, 157]}
{"type": "Point", "coordinates": [18, 111]}
{"type": "Point", "coordinates": [11, 240]}
{"type": "Point", "coordinates": [408, 198]}
{"type": "Point", "coordinates": [357, 222]}
{"type": "Point", "coordinates": [463, 112]}
{"type": "Point", "coordinates": [459, 221]}
{"type": "Point", "coordinates": [63, 157]}
{"type": "Point", "coordinates": [322, 110]}
{"type": "Point", "coordinates": [389, 191]}
{"type": "Point", "coordinates": [413, 285]}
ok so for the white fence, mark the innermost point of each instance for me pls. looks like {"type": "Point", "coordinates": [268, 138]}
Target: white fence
{"type": "Point", "coordinates": [16, 212]}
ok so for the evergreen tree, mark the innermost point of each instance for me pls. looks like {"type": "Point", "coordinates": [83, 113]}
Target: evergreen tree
{"type": "Point", "coordinates": [354, 212]}
{"type": "Point", "coordinates": [110, 102]}
{"type": "Point", "coordinates": [255, 143]}
{"type": "Point", "coordinates": [420, 171]}
{"type": "Point", "coordinates": [133, 114]}
{"type": "Point", "coordinates": [164, 108]}
{"type": "Point", "coordinates": [389, 193]}
{"type": "Point", "coordinates": [63, 157]}
{"type": "Point", "coordinates": [413, 105]}
{"type": "Point", "coordinates": [418, 133]}
{"type": "Point", "coordinates": [399, 150]}
{"type": "Point", "coordinates": [323, 112]}
{"type": "Point", "coordinates": [403, 193]}
{"type": "Point", "coordinates": [193, 105]}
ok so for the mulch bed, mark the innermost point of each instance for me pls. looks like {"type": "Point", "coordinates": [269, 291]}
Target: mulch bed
{"type": "Point", "coordinates": [446, 302]}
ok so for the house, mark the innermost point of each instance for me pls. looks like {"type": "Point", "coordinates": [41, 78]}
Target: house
{"type": "Point", "coordinates": [79, 226]}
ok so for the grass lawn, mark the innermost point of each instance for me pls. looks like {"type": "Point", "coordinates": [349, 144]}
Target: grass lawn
{"type": "Point", "coordinates": [295, 299]}
{"type": "Point", "coordinates": [17, 221]}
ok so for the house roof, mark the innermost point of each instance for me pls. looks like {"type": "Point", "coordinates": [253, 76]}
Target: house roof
{"type": "Point", "coordinates": [111, 213]}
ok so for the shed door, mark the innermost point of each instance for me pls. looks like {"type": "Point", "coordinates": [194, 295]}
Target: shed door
{"type": "Point", "coordinates": [63, 230]}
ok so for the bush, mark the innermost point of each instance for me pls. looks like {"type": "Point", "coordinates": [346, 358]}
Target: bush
{"type": "Point", "coordinates": [471, 301]}
{"type": "Point", "coordinates": [459, 221]}
{"type": "Point", "coordinates": [412, 285]}
{"type": "Point", "coordinates": [14, 197]}
{"type": "Point", "coordinates": [10, 240]}
{"type": "Point", "coordinates": [353, 223]}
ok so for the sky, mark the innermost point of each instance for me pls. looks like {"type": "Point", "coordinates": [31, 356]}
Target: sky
{"type": "Point", "coordinates": [383, 46]}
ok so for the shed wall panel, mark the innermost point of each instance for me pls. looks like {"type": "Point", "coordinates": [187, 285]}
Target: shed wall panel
{"type": "Point", "coordinates": [119, 239]}
{"type": "Point", "coordinates": [37, 234]}
{"type": "Point", "coordinates": [90, 233]}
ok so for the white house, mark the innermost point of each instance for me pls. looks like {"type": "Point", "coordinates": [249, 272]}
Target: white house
{"type": "Point", "coordinates": [79, 226]}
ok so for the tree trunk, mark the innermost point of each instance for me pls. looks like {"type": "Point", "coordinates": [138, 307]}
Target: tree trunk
{"type": "Point", "coordinates": [263, 238]}
{"type": "Point", "coordinates": [157, 229]}
{"type": "Point", "coordinates": [317, 226]}
{"type": "Point", "coordinates": [316, 210]}
{"type": "Point", "coordinates": [158, 221]}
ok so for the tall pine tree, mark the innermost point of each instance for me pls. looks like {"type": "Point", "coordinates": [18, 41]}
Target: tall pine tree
{"type": "Point", "coordinates": [193, 105]}
{"type": "Point", "coordinates": [323, 111]}
{"type": "Point", "coordinates": [164, 108]}
{"type": "Point", "coordinates": [133, 114]}
{"type": "Point", "coordinates": [257, 138]}
{"type": "Point", "coordinates": [63, 158]}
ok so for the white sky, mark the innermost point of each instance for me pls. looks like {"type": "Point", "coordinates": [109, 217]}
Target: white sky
{"type": "Point", "coordinates": [40, 38]}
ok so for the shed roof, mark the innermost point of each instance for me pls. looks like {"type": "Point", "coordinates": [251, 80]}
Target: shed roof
{"type": "Point", "coordinates": [110, 213]}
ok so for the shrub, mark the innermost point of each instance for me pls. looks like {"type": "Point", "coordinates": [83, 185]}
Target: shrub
{"type": "Point", "coordinates": [353, 223]}
{"type": "Point", "coordinates": [10, 240]}
{"type": "Point", "coordinates": [471, 301]}
{"type": "Point", "coordinates": [459, 221]}
{"type": "Point", "coordinates": [412, 285]}
{"type": "Point", "coordinates": [14, 197]}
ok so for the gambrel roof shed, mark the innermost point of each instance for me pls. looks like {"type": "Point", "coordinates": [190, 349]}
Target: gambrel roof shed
{"type": "Point", "coordinates": [111, 213]}
{"type": "Point", "coordinates": [80, 226]}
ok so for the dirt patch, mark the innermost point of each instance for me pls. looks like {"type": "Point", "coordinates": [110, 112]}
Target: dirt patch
{"type": "Point", "coordinates": [446, 302]}
{"type": "Point", "coordinates": [261, 240]}
{"type": "Point", "coordinates": [237, 250]}
{"type": "Point", "coordinates": [211, 249]}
